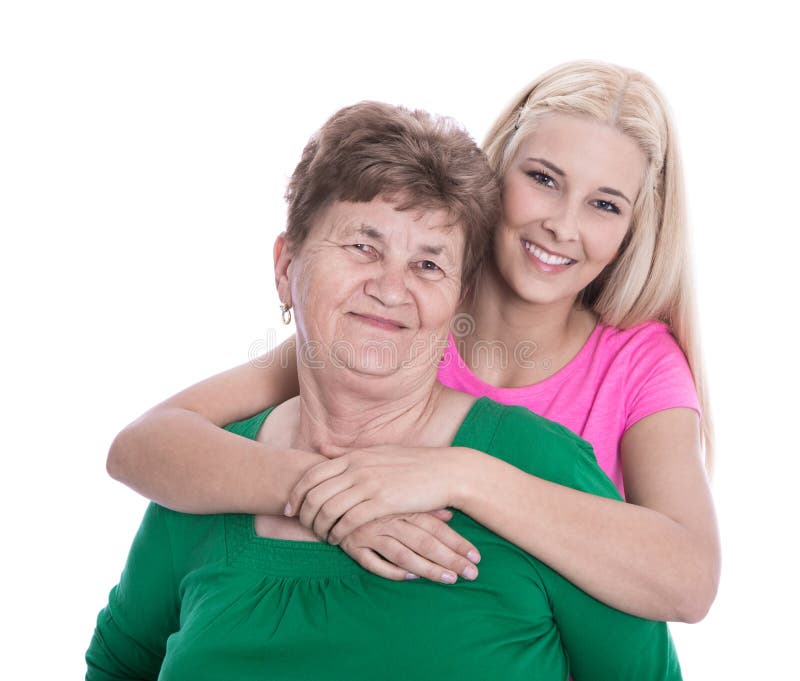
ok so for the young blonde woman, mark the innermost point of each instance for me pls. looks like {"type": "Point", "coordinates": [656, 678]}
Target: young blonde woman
{"type": "Point", "coordinates": [583, 313]}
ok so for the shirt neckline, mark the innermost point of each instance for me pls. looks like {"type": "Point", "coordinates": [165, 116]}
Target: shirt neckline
{"type": "Point", "coordinates": [296, 559]}
{"type": "Point", "coordinates": [560, 375]}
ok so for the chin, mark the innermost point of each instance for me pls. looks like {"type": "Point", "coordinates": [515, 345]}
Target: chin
{"type": "Point", "coordinates": [378, 359]}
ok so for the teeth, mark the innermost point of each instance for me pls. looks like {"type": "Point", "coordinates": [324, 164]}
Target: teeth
{"type": "Point", "coordinates": [546, 257]}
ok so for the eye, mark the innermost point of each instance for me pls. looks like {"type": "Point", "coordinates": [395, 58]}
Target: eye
{"type": "Point", "coordinates": [607, 206]}
{"type": "Point", "coordinates": [542, 178]}
{"type": "Point", "coordinates": [366, 249]}
{"type": "Point", "coordinates": [428, 268]}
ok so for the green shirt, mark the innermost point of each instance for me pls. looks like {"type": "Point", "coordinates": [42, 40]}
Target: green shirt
{"type": "Point", "coordinates": [204, 597]}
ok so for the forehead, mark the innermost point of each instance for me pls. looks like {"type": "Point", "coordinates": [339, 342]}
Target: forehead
{"type": "Point", "coordinates": [586, 150]}
{"type": "Point", "coordinates": [413, 229]}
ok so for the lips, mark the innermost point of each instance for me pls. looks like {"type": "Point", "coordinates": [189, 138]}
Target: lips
{"type": "Point", "coordinates": [546, 257]}
{"type": "Point", "coordinates": [380, 322]}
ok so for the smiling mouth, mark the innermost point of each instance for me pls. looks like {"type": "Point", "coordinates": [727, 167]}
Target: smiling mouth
{"type": "Point", "coordinates": [380, 322]}
{"type": "Point", "coordinates": [544, 256]}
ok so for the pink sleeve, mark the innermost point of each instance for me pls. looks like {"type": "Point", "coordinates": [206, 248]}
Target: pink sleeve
{"type": "Point", "coordinates": [659, 376]}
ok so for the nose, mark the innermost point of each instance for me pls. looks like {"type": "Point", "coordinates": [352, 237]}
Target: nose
{"type": "Point", "coordinates": [389, 285]}
{"type": "Point", "coordinates": [563, 224]}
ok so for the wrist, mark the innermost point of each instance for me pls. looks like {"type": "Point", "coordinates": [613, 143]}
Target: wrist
{"type": "Point", "coordinates": [283, 470]}
{"type": "Point", "coordinates": [462, 471]}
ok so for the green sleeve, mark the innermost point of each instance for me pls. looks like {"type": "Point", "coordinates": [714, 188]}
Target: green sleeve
{"type": "Point", "coordinates": [603, 643]}
{"type": "Point", "coordinates": [130, 639]}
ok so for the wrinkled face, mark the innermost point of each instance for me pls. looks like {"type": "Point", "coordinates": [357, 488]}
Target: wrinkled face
{"type": "Point", "coordinates": [373, 288]}
{"type": "Point", "coordinates": [567, 203]}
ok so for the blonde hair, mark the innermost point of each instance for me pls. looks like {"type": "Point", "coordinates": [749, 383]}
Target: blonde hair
{"type": "Point", "coordinates": [651, 276]}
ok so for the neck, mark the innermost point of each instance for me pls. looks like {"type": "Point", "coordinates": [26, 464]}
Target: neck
{"type": "Point", "coordinates": [544, 335]}
{"type": "Point", "coordinates": [351, 410]}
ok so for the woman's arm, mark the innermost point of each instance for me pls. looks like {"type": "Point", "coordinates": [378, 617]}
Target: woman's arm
{"type": "Point", "coordinates": [178, 455]}
{"type": "Point", "coordinates": [604, 643]}
{"type": "Point", "coordinates": [655, 557]}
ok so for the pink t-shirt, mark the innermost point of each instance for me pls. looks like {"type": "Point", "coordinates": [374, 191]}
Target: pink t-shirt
{"type": "Point", "coordinates": [617, 378]}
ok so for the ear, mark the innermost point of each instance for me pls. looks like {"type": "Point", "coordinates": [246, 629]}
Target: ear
{"type": "Point", "coordinates": [282, 256]}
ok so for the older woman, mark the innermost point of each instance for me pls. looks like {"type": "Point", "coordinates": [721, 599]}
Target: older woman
{"type": "Point", "coordinates": [388, 219]}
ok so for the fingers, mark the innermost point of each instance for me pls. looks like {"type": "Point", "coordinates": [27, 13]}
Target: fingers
{"type": "Point", "coordinates": [443, 514]}
{"type": "Point", "coordinates": [312, 478]}
{"type": "Point", "coordinates": [333, 511]}
{"type": "Point", "coordinates": [413, 549]}
{"type": "Point", "coordinates": [434, 524]}
{"type": "Point", "coordinates": [369, 560]}
{"type": "Point", "coordinates": [437, 543]}
{"type": "Point", "coordinates": [356, 515]}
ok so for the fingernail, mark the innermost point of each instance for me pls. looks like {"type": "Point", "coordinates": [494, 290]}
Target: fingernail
{"type": "Point", "coordinates": [470, 572]}
{"type": "Point", "coordinates": [449, 578]}
{"type": "Point", "coordinates": [411, 575]}
{"type": "Point", "coordinates": [474, 556]}
{"type": "Point", "coordinates": [287, 509]}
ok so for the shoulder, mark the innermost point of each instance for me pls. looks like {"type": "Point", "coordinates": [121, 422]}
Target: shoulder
{"type": "Point", "coordinates": [178, 528]}
{"type": "Point", "coordinates": [184, 537]}
{"type": "Point", "coordinates": [543, 448]}
{"type": "Point", "coordinates": [642, 339]}
{"type": "Point", "coordinates": [515, 421]}
{"type": "Point", "coordinates": [635, 355]}
{"type": "Point", "coordinates": [650, 370]}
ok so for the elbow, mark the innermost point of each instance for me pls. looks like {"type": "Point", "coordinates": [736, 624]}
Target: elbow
{"type": "Point", "coordinates": [694, 612]}
{"type": "Point", "coordinates": [118, 459]}
{"type": "Point", "coordinates": [698, 594]}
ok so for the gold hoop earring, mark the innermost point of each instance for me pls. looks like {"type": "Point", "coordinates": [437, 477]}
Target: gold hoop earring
{"type": "Point", "coordinates": [286, 314]}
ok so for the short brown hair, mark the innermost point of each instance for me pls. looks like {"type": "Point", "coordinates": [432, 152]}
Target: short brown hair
{"type": "Point", "coordinates": [422, 161]}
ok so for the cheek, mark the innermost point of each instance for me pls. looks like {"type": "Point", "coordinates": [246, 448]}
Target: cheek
{"type": "Point", "coordinates": [437, 307]}
{"type": "Point", "coordinates": [603, 244]}
{"type": "Point", "coordinates": [312, 289]}
{"type": "Point", "coordinates": [515, 204]}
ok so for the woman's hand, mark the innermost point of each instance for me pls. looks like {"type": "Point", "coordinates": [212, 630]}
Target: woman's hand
{"type": "Point", "coordinates": [414, 545]}
{"type": "Point", "coordinates": [335, 497]}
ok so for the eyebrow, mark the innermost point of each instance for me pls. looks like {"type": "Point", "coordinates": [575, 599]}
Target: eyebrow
{"type": "Point", "coordinates": [558, 171]}
{"type": "Point", "coordinates": [614, 192]}
{"type": "Point", "coordinates": [547, 164]}
{"type": "Point", "coordinates": [372, 233]}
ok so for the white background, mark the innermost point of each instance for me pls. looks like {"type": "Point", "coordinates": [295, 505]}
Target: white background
{"type": "Point", "coordinates": [144, 150]}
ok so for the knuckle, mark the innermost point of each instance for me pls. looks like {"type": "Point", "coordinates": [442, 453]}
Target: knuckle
{"type": "Point", "coordinates": [362, 557]}
{"type": "Point", "coordinates": [428, 545]}
{"type": "Point", "coordinates": [312, 497]}
{"type": "Point", "coordinates": [403, 557]}
{"type": "Point", "coordinates": [392, 552]}
{"type": "Point", "coordinates": [464, 547]}
{"type": "Point", "coordinates": [307, 480]}
{"type": "Point", "coordinates": [397, 527]}
{"type": "Point", "coordinates": [381, 545]}
{"type": "Point", "coordinates": [343, 529]}
{"type": "Point", "coordinates": [360, 535]}
{"type": "Point", "coordinates": [305, 516]}
{"type": "Point", "coordinates": [432, 573]}
{"type": "Point", "coordinates": [444, 533]}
